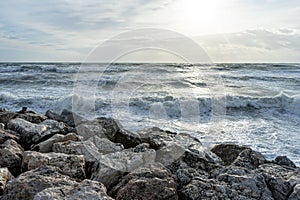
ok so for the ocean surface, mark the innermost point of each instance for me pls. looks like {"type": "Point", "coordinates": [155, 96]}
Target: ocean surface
{"type": "Point", "coordinates": [250, 104]}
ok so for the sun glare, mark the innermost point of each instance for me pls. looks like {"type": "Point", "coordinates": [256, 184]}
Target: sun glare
{"type": "Point", "coordinates": [198, 16]}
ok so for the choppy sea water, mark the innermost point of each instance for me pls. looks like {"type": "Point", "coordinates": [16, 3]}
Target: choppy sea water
{"type": "Point", "coordinates": [250, 104]}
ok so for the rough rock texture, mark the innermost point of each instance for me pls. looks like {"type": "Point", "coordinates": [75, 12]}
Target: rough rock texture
{"type": "Point", "coordinates": [28, 184]}
{"type": "Point", "coordinates": [6, 116]}
{"type": "Point", "coordinates": [296, 193]}
{"type": "Point", "coordinates": [110, 167]}
{"type": "Point", "coordinates": [32, 117]}
{"type": "Point", "coordinates": [70, 118]}
{"type": "Point", "coordinates": [90, 129]}
{"type": "Point", "coordinates": [5, 176]}
{"type": "Point", "coordinates": [228, 152]}
{"type": "Point", "coordinates": [148, 183]}
{"type": "Point", "coordinates": [249, 159]}
{"type": "Point", "coordinates": [7, 135]}
{"type": "Point", "coordinates": [34, 133]}
{"type": "Point", "coordinates": [52, 115]}
{"type": "Point", "coordinates": [11, 154]}
{"type": "Point", "coordinates": [87, 189]}
{"type": "Point", "coordinates": [46, 146]}
{"type": "Point", "coordinates": [71, 165]}
{"type": "Point", "coordinates": [285, 161]}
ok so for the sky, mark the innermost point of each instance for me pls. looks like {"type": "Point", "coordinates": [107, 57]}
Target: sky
{"type": "Point", "coordinates": [227, 30]}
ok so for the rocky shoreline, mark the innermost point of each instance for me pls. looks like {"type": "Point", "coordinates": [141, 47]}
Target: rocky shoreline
{"type": "Point", "coordinates": [48, 157]}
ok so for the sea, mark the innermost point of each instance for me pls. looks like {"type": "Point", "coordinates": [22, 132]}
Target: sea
{"type": "Point", "coordinates": [252, 104]}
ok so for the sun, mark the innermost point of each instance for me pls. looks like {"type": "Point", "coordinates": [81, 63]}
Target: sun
{"type": "Point", "coordinates": [199, 15]}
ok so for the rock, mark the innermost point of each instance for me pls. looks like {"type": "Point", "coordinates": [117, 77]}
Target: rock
{"type": "Point", "coordinates": [148, 183]}
{"type": "Point", "coordinates": [2, 126]}
{"type": "Point", "coordinates": [46, 146]}
{"type": "Point", "coordinates": [280, 179]}
{"type": "Point", "coordinates": [105, 146]}
{"type": "Point", "coordinates": [110, 167]}
{"type": "Point", "coordinates": [28, 184]}
{"type": "Point", "coordinates": [249, 159]}
{"type": "Point", "coordinates": [87, 190]}
{"type": "Point", "coordinates": [90, 129]}
{"type": "Point", "coordinates": [7, 135]}
{"type": "Point", "coordinates": [110, 125]}
{"type": "Point", "coordinates": [6, 116]}
{"type": "Point", "coordinates": [52, 115]}
{"type": "Point", "coordinates": [127, 138]}
{"type": "Point", "coordinates": [35, 133]}
{"type": "Point", "coordinates": [296, 193]}
{"type": "Point", "coordinates": [71, 118]}
{"type": "Point", "coordinates": [283, 160]}
{"type": "Point", "coordinates": [11, 154]}
{"type": "Point", "coordinates": [32, 117]}
{"type": "Point", "coordinates": [5, 176]}
{"type": "Point", "coordinates": [71, 165]}
{"type": "Point", "coordinates": [228, 152]}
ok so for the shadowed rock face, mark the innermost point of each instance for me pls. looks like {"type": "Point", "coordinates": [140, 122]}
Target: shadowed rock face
{"type": "Point", "coordinates": [80, 162]}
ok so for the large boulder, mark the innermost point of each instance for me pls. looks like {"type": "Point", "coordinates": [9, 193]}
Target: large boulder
{"type": "Point", "coordinates": [249, 159]}
{"type": "Point", "coordinates": [46, 146]}
{"type": "Point", "coordinates": [35, 133]}
{"type": "Point", "coordinates": [71, 118]}
{"type": "Point", "coordinates": [71, 165]}
{"type": "Point", "coordinates": [148, 183]}
{"type": "Point", "coordinates": [5, 176]}
{"type": "Point", "coordinates": [110, 167]}
{"type": "Point", "coordinates": [87, 189]}
{"type": "Point", "coordinates": [11, 154]}
{"type": "Point", "coordinates": [32, 117]}
{"type": "Point", "coordinates": [6, 116]}
{"type": "Point", "coordinates": [28, 184]}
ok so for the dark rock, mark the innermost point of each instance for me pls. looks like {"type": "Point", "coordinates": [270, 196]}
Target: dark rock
{"type": "Point", "coordinates": [87, 190]}
{"type": "Point", "coordinates": [6, 116]}
{"type": "Point", "coordinates": [5, 176]}
{"type": "Point", "coordinates": [35, 133]}
{"type": "Point", "coordinates": [283, 160]}
{"type": "Point", "coordinates": [228, 152]}
{"type": "Point", "coordinates": [148, 183]}
{"type": "Point", "coordinates": [127, 138]}
{"type": "Point", "coordinates": [11, 154]}
{"type": "Point", "coordinates": [71, 165]}
{"type": "Point", "coordinates": [32, 117]}
{"type": "Point", "coordinates": [28, 184]}
{"type": "Point", "coordinates": [110, 125]}
{"type": "Point", "coordinates": [296, 193]}
{"type": "Point", "coordinates": [7, 135]}
{"type": "Point", "coordinates": [71, 118]}
{"type": "Point", "coordinates": [249, 159]}
{"type": "Point", "coordinates": [52, 115]}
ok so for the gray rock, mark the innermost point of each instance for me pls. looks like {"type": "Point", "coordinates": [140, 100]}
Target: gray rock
{"type": "Point", "coordinates": [34, 133]}
{"type": "Point", "coordinates": [6, 116]}
{"type": "Point", "coordinates": [283, 160]}
{"type": "Point", "coordinates": [11, 154]}
{"type": "Point", "coordinates": [5, 176]}
{"type": "Point", "coordinates": [28, 184]}
{"type": "Point", "coordinates": [110, 167]}
{"type": "Point", "coordinates": [71, 165]}
{"type": "Point", "coordinates": [296, 193]}
{"type": "Point", "coordinates": [280, 179]}
{"type": "Point", "coordinates": [52, 115]}
{"type": "Point", "coordinates": [87, 189]}
{"type": "Point", "coordinates": [148, 183]}
{"type": "Point", "coordinates": [71, 118]}
{"type": "Point", "coordinates": [32, 117]}
{"type": "Point", "coordinates": [90, 129]}
{"type": "Point", "coordinates": [2, 126]}
{"type": "Point", "coordinates": [46, 146]}
{"type": "Point", "coordinates": [249, 159]}
{"type": "Point", "coordinates": [228, 152]}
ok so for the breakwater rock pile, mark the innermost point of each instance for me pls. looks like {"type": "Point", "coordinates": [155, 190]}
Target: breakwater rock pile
{"type": "Point", "coordinates": [53, 156]}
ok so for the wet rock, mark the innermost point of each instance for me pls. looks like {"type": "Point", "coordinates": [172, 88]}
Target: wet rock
{"type": "Point", "coordinates": [149, 183]}
{"type": "Point", "coordinates": [46, 146]}
{"type": "Point", "coordinates": [283, 160]}
{"type": "Point", "coordinates": [5, 176]}
{"type": "Point", "coordinates": [249, 159]}
{"type": "Point", "coordinates": [28, 184]}
{"type": "Point", "coordinates": [7, 135]}
{"type": "Point", "coordinates": [87, 190]}
{"type": "Point", "coordinates": [228, 152]}
{"type": "Point", "coordinates": [110, 167]}
{"type": "Point", "coordinates": [71, 165]}
{"type": "Point", "coordinates": [2, 126]}
{"type": "Point", "coordinates": [35, 133]}
{"type": "Point", "coordinates": [11, 154]}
